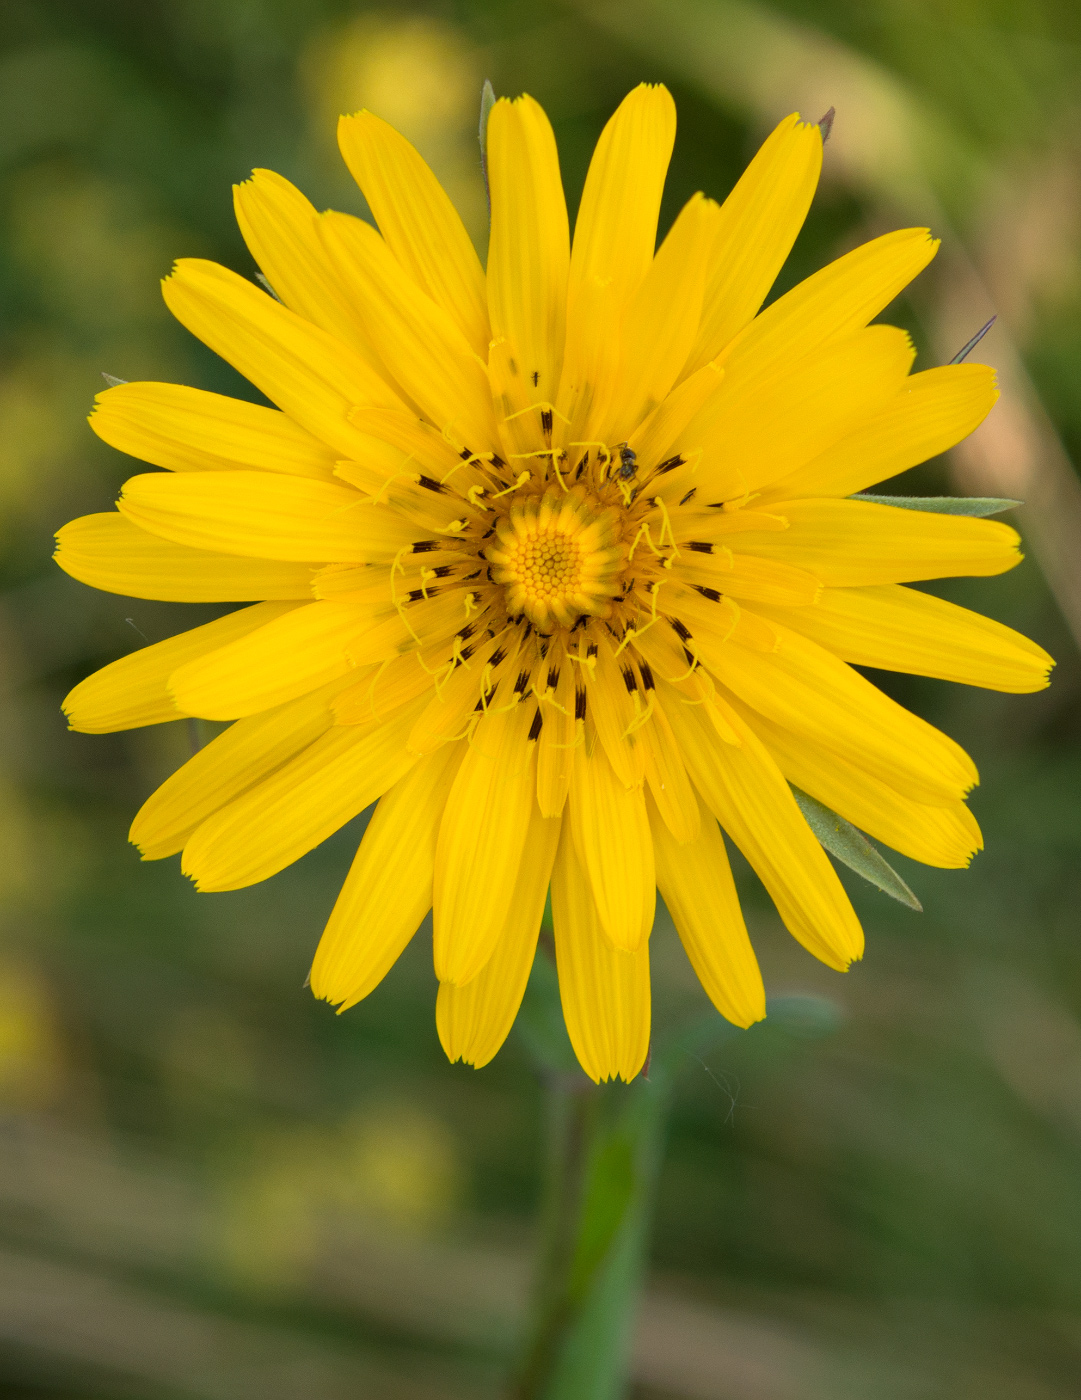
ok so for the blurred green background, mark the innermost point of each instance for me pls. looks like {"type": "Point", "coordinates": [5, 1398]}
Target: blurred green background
{"type": "Point", "coordinates": [212, 1187]}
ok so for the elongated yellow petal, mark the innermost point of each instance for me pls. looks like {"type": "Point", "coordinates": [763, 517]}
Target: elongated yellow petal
{"type": "Point", "coordinates": [653, 439]}
{"type": "Point", "coordinates": [189, 430]}
{"type": "Point", "coordinates": [752, 435]}
{"type": "Point", "coordinates": [280, 228]}
{"type": "Point", "coordinates": [560, 734]}
{"type": "Point", "coordinates": [673, 797]}
{"type": "Point", "coordinates": [758, 225]}
{"type": "Point", "coordinates": [388, 889]}
{"type": "Point", "coordinates": [427, 449]}
{"type": "Point", "coordinates": [134, 691]}
{"type": "Point", "coordinates": [829, 305]}
{"type": "Point", "coordinates": [900, 629]}
{"type": "Point", "coordinates": [265, 516]}
{"type": "Point", "coordinates": [473, 1021]}
{"type": "Point", "coordinates": [610, 710]}
{"type": "Point", "coordinates": [299, 806]}
{"type": "Point", "coordinates": [946, 836]}
{"type": "Point", "coordinates": [605, 993]}
{"type": "Point", "coordinates": [420, 342]}
{"type": "Point", "coordinates": [744, 576]}
{"type": "Point", "coordinates": [611, 835]}
{"type": "Point", "coordinates": [450, 710]}
{"type": "Point", "coordinates": [418, 221]}
{"type": "Point", "coordinates": [529, 245]}
{"type": "Point", "coordinates": [322, 641]}
{"type": "Point", "coordinates": [850, 543]}
{"type": "Point", "coordinates": [663, 318]}
{"type": "Point", "coordinates": [315, 378]}
{"type": "Point", "coordinates": [226, 767]}
{"type": "Point", "coordinates": [805, 688]}
{"type": "Point", "coordinates": [932, 413]}
{"type": "Point", "coordinates": [109, 552]}
{"type": "Point", "coordinates": [382, 689]}
{"type": "Point", "coordinates": [746, 792]}
{"type": "Point", "coordinates": [407, 491]}
{"type": "Point", "coordinates": [696, 884]}
{"type": "Point", "coordinates": [481, 839]}
{"type": "Point", "coordinates": [616, 230]}
{"type": "Point", "coordinates": [614, 238]}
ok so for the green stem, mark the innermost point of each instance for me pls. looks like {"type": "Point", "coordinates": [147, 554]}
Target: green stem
{"type": "Point", "coordinates": [604, 1153]}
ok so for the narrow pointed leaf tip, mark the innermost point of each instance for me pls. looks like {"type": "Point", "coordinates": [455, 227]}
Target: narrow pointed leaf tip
{"type": "Point", "coordinates": [112, 380]}
{"type": "Point", "coordinates": [944, 505]}
{"type": "Point", "coordinates": [825, 124]}
{"type": "Point", "coordinates": [853, 849]}
{"type": "Point", "coordinates": [968, 348]}
{"type": "Point", "coordinates": [487, 102]}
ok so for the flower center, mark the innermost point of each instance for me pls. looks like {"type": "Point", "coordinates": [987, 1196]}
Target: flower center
{"type": "Point", "coordinates": [557, 557]}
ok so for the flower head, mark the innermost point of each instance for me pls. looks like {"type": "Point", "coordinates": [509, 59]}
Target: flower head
{"type": "Point", "coordinates": [559, 563]}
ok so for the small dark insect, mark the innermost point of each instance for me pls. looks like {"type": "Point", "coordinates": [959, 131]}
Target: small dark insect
{"type": "Point", "coordinates": [628, 461]}
{"type": "Point", "coordinates": [535, 377]}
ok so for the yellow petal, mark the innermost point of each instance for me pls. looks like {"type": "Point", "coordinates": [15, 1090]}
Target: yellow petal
{"type": "Point", "coordinates": [315, 378]}
{"type": "Point", "coordinates": [406, 490]}
{"type": "Point", "coordinates": [560, 734]}
{"type": "Point", "coordinates": [614, 239]}
{"type": "Point", "coordinates": [529, 244]}
{"type": "Point", "coordinates": [610, 710]}
{"type": "Point", "coordinates": [943, 836]}
{"type": "Point", "coordinates": [418, 221]}
{"type": "Point", "coordinates": [605, 993]}
{"type": "Point", "coordinates": [663, 318]}
{"type": "Point", "coordinates": [419, 342]}
{"type": "Point", "coordinates": [758, 225]}
{"type": "Point", "coordinates": [831, 304]}
{"type": "Point", "coordinates": [751, 435]}
{"type": "Point", "coordinates": [299, 806]}
{"type": "Point", "coordinates": [932, 413]}
{"type": "Point", "coordinates": [428, 450]}
{"type": "Point", "coordinates": [280, 228]}
{"type": "Point", "coordinates": [134, 691]}
{"type": "Point", "coordinates": [673, 797]}
{"type": "Point", "coordinates": [189, 430]}
{"type": "Point", "coordinates": [481, 839]}
{"type": "Point", "coordinates": [269, 517]}
{"type": "Point", "coordinates": [745, 577]}
{"type": "Point", "coordinates": [449, 713]}
{"type": "Point", "coordinates": [388, 889]}
{"type": "Point", "coordinates": [746, 792]}
{"type": "Point", "coordinates": [652, 440]}
{"type": "Point", "coordinates": [850, 543]}
{"type": "Point", "coordinates": [285, 659]}
{"type": "Point", "coordinates": [384, 688]}
{"type": "Point", "coordinates": [696, 884]}
{"type": "Point", "coordinates": [111, 553]}
{"type": "Point", "coordinates": [611, 835]}
{"type": "Point", "coordinates": [473, 1021]}
{"type": "Point", "coordinates": [226, 767]}
{"type": "Point", "coordinates": [807, 689]}
{"type": "Point", "coordinates": [900, 629]}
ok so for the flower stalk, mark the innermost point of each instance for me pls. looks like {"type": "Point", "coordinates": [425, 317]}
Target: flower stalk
{"type": "Point", "coordinates": [605, 1145]}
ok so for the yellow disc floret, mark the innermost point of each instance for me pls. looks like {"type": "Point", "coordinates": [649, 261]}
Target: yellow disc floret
{"type": "Point", "coordinates": [557, 557]}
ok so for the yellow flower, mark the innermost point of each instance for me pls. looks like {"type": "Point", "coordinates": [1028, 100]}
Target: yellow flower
{"type": "Point", "coordinates": [558, 562]}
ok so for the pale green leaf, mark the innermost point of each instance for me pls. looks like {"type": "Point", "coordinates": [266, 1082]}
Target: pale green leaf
{"type": "Point", "coordinates": [943, 505]}
{"type": "Point", "coordinates": [487, 102]}
{"type": "Point", "coordinates": [853, 849]}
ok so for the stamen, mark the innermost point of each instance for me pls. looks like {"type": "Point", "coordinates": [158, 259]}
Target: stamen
{"type": "Point", "coordinates": [525, 476]}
